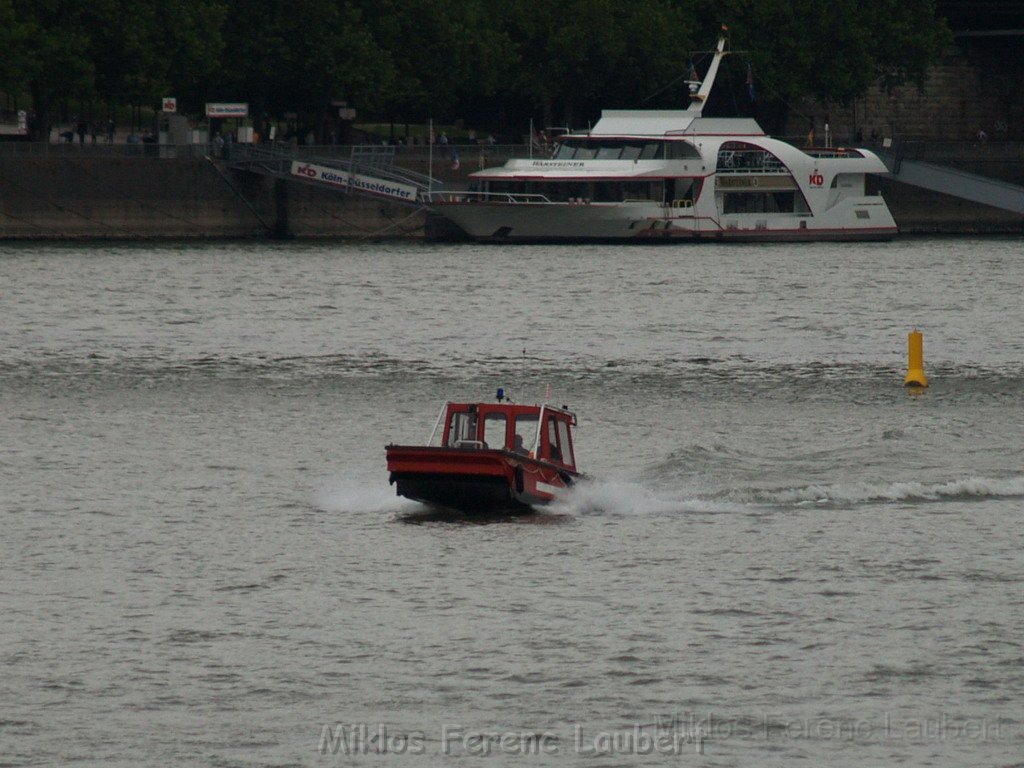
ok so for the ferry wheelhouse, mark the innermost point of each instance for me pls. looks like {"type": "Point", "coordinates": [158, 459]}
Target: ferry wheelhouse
{"type": "Point", "coordinates": [674, 174]}
{"type": "Point", "coordinates": [489, 457]}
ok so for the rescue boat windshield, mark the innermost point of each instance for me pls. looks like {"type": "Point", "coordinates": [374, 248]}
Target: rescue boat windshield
{"type": "Point", "coordinates": [494, 430]}
{"type": "Point", "coordinates": [526, 432]}
{"type": "Point", "coordinates": [462, 430]}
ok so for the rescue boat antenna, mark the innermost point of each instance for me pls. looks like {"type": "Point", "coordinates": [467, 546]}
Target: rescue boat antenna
{"type": "Point", "coordinates": [540, 424]}
{"type": "Point", "coordinates": [698, 99]}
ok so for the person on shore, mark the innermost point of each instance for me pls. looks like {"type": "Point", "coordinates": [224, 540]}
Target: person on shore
{"type": "Point", "coordinates": [83, 128]}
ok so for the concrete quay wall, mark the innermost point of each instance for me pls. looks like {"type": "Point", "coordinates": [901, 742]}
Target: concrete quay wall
{"type": "Point", "coordinates": [138, 198]}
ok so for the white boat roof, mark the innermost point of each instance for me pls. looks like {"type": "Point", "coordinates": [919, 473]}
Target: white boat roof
{"type": "Point", "coordinates": [668, 122]}
{"type": "Point", "coordinates": [521, 168]}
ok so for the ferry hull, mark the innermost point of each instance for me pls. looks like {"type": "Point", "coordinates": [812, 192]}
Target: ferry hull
{"type": "Point", "coordinates": [553, 223]}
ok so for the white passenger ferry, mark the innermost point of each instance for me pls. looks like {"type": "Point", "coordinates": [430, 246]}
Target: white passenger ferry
{"type": "Point", "coordinates": [674, 174]}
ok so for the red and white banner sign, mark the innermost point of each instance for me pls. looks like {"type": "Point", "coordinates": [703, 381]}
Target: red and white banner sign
{"type": "Point", "coordinates": [227, 110]}
{"type": "Point", "coordinates": [353, 181]}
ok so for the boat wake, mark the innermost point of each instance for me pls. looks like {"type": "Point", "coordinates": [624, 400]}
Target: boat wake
{"type": "Point", "coordinates": [972, 488]}
{"type": "Point", "coordinates": [628, 498]}
{"type": "Point", "coordinates": [623, 498]}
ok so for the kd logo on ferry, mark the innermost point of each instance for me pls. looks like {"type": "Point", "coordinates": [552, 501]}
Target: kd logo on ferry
{"type": "Point", "coordinates": [817, 180]}
{"type": "Point", "coordinates": [306, 170]}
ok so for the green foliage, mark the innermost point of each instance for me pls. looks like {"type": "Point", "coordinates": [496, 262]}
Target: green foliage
{"type": "Point", "coordinates": [50, 57]}
{"type": "Point", "coordinates": [444, 53]}
{"type": "Point", "coordinates": [583, 53]}
{"type": "Point", "coordinates": [12, 41]}
{"type": "Point", "coordinates": [296, 55]}
{"type": "Point", "coordinates": [408, 60]}
{"type": "Point", "coordinates": [832, 51]}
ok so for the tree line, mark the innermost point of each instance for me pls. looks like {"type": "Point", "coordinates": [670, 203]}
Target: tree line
{"type": "Point", "coordinates": [497, 64]}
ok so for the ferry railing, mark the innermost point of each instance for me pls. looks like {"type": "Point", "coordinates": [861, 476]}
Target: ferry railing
{"type": "Point", "coordinates": [486, 197]}
{"type": "Point", "coordinates": [765, 168]}
{"type": "Point", "coordinates": [103, 150]}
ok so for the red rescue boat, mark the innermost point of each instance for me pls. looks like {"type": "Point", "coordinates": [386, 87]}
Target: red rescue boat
{"type": "Point", "coordinates": [488, 457]}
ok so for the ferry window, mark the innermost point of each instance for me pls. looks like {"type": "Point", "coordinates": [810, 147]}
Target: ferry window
{"type": "Point", "coordinates": [785, 202]}
{"type": "Point", "coordinates": [650, 151]}
{"type": "Point", "coordinates": [463, 427]}
{"type": "Point", "coordinates": [494, 430]}
{"type": "Point", "coordinates": [680, 150]}
{"type": "Point", "coordinates": [585, 153]}
{"type": "Point", "coordinates": [609, 153]}
{"type": "Point", "coordinates": [526, 428]}
{"type": "Point", "coordinates": [606, 191]}
{"type": "Point", "coordinates": [687, 189]}
{"type": "Point", "coordinates": [631, 152]}
{"type": "Point", "coordinates": [566, 443]}
{"type": "Point", "coordinates": [564, 152]}
{"type": "Point", "coordinates": [758, 202]}
{"type": "Point", "coordinates": [739, 154]}
{"type": "Point", "coordinates": [633, 190]}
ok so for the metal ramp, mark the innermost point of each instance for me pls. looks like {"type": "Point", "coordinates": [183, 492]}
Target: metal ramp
{"type": "Point", "coordinates": [951, 181]}
{"type": "Point", "coordinates": [368, 170]}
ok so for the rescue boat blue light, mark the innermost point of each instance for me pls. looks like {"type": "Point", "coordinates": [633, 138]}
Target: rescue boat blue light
{"type": "Point", "coordinates": [501, 394]}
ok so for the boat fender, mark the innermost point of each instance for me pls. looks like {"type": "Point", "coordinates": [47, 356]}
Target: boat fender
{"type": "Point", "coordinates": [519, 479]}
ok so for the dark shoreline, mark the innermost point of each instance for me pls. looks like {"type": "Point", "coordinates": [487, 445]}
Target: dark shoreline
{"type": "Point", "coordinates": [152, 199]}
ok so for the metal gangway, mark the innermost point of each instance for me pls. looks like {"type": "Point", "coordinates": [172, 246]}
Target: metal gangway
{"type": "Point", "coordinates": [906, 167]}
{"type": "Point", "coordinates": [366, 170]}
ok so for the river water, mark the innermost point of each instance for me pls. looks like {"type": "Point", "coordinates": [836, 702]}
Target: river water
{"type": "Point", "coordinates": [782, 556]}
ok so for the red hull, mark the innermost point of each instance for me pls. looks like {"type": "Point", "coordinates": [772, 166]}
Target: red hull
{"type": "Point", "coordinates": [474, 480]}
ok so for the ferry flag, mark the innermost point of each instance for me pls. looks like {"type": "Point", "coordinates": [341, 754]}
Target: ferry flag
{"type": "Point", "coordinates": [455, 159]}
{"type": "Point", "coordinates": [750, 82]}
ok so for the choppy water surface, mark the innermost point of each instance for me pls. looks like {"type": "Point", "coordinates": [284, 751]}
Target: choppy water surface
{"type": "Point", "coordinates": [782, 556]}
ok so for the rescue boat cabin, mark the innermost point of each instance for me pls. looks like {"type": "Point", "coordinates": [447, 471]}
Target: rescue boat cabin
{"type": "Point", "coordinates": [542, 433]}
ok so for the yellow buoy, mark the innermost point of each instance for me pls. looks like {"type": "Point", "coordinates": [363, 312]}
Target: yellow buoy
{"type": "Point", "coordinates": [915, 369]}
